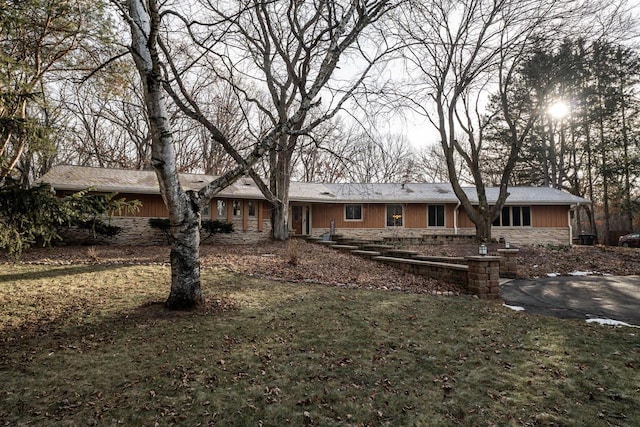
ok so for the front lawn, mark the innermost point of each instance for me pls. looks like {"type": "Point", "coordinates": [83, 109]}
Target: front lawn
{"type": "Point", "coordinates": [91, 344]}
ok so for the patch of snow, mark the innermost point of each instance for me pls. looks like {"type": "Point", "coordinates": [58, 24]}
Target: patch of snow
{"type": "Point", "coordinates": [610, 322]}
{"type": "Point", "coordinates": [553, 274]}
{"type": "Point", "coordinates": [580, 273]}
{"type": "Point", "coordinates": [514, 307]}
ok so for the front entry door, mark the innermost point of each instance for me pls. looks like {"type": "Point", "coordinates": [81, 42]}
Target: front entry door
{"type": "Point", "coordinates": [296, 219]}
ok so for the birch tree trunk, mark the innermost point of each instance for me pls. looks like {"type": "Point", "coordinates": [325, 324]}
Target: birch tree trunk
{"type": "Point", "coordinates": [183, 211]}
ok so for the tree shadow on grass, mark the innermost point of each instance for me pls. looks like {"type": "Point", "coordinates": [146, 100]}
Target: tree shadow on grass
{"type": "Point", "coordinates": [52, 272]}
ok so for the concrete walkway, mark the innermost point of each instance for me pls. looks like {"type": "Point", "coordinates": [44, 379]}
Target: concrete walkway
{"type": "Point", "coordinates": [581, 297]}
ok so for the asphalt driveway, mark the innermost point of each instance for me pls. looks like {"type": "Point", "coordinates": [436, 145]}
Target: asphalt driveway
{"type": "Point", "coordinates": [580, 297]}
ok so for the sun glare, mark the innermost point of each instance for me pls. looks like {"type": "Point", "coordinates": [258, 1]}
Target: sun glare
{"type": "Point", "coordinates": [558, 110]}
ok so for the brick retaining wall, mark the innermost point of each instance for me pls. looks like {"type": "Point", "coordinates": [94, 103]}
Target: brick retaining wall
{"type": "Point", "coordinates": [481, 275]}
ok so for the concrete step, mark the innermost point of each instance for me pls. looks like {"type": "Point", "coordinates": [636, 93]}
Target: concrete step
{"type": "Point", "coordinates": [365, 254]}
{"type": "Point", "coordinates": [345, 248]}
{"type": "Point", "coordinates": [403, 253]}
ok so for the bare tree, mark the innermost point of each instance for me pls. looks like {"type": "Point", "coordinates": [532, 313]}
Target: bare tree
{"type": "Point", "coordinates": [463, 50]}
{"type": "Point", "coordinates": [380, 158]}
{"type": "Point", "coordinates": [290, 50]}
{"type": "Point", "coordinates": [144, 19]}
{"type": "Point", "coordinates": [296, 68]}
{"type": "Point", "coordinates": [322, 156]}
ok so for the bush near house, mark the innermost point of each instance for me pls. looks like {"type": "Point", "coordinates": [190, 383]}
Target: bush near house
{"type": "Point", "coordinates": [35, 216]}
{"type": "Point", "coordinates": [211, 226]}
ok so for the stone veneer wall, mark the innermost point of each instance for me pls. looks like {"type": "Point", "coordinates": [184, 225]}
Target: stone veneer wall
{"type": "Point", "coordinates": [382, 233]}
{"type": "Point", "coordinates": [515, 235]}
{"type": "Point", "coordinates": [533, 235]}
{"type": "Point", "coordinates": [137, 232]}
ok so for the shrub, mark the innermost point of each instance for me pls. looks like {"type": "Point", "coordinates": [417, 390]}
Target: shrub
{"type": "Point", "coordinates": [214, 226]}
{"type": "Point", "coordinates": [97, 226]}
{"type": "Point", "coordinates": [211, 226]}
{"type": "Point", "coordinates": [162, 224]}
{"type": "Point", "coordinates": [36, 215]}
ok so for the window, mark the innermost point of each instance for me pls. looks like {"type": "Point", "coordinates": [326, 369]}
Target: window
{"type": "Point", "coordinates": [516, 216]}
{"type": "Point", "coordinates": [394, 215]}
{"type": "Point", "coordinates": [206, 211]}
{"type": "Point", "coordinates": [237, 208]}
{"type": "Point", "coordinates": [251, 208]}
{"type": "Point", "coordinates": [436, 216]}
{"type": "Point", "coordinates": [506, 216]}
{"type": "Point", "coordinates": [221, 209]}
{"type": "Point", "coordinates": [353, 212]}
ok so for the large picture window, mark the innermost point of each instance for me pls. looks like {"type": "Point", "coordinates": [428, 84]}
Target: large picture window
{"type": "Point", "coordinates": [394, 215]}
{"type": "Point", "coordinates": [436, 216]}
{"type": "Point", "coordinates": [514, 216]}
{"type": "Point", "coordinates": [353, 212]}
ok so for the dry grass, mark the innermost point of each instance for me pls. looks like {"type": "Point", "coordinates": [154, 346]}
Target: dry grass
{"type": "Point", "coordinates": [92, 344]}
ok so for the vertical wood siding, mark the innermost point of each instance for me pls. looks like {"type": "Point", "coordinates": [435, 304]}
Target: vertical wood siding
{"type": "Point", "coordinates": [541, 216]}
{"type": "Point", "coordinates": [261, 210]}
{"type": "Point", "coordinates": [152, 205]}
{"type": "Point", "coordinates": [463, 219]}
{"type": "Point", "coordinates": [415, 215]}
{"type": "Point", "coordinates": [373, 216]}
{"type": "Point", "coordinates": [549, 216]}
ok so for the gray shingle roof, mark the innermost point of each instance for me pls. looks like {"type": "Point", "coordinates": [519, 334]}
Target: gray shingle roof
{"type": "Point", "coordinates": [145, 182]}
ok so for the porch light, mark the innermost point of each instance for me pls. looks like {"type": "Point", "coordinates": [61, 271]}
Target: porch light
{"type": "Point", "coordinates": [482, 249]}
{"type": "Point", "coordinates": [507, 245]}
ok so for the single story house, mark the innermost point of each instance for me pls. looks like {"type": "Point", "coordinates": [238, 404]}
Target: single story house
{"type": "Point", "coordinates": [531, 215]}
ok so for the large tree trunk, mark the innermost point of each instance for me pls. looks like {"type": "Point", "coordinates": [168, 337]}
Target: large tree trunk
{"type": "Point", "coordinates": [185, 264]}
{"type": "Point", "coordinates": [280, 182]}
{"type": "Point", "coordinates": [183, 211]}
{"type": "Point", "coordinates": [280, 220]}
{"type": "Point", "coordinates": [483, 229]}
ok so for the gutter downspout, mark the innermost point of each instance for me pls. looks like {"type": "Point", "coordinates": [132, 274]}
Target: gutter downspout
{"type": "Point", "coordinates": [455, 219]}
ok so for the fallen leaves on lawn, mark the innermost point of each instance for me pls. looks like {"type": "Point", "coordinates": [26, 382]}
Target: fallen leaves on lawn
{"type": "Point", "coordinates": [319, 264]}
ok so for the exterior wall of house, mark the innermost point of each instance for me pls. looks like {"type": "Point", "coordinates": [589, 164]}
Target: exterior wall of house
{"type": "Point", "coordinates": [520, 236]}
{"type": "Point", "coordinates": [549, 224]}
{"type": "Point", "coordinates": [137, 232]}
{"type": "Point", "coordinates": [374, 216]}
{"type": "Point", "coordinates": [549, 216]}
{"type": "Point", "coordinates": [541, 216]}
{"type": "Point", "coordinates": [380, 233]}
